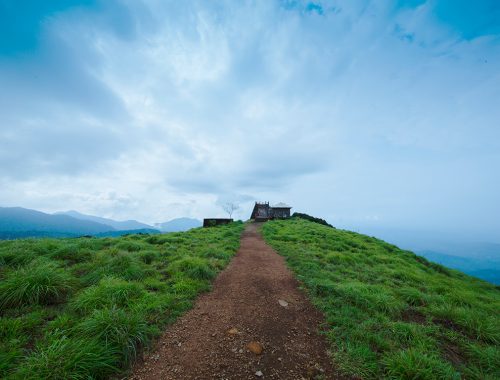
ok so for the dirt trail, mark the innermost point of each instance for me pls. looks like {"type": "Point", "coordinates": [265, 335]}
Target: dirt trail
{"type": "Point", "coordinates": [244, 297]}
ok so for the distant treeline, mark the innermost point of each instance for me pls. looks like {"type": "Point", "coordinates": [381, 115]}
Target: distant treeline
{"type": "Point", "coordinates": [11, 235]}
{"type": "Point", "coordinates": [144, 231]}
{"type": "Point", "coordinates": [311, 219]}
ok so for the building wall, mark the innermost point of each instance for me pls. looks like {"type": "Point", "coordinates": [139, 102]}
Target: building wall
{"type": "Point", "coordinates": [212, 222]}
{"type": "Point", "coordinates": [280, 213]}
{"type": "Point", "coordinates": [262, 211]}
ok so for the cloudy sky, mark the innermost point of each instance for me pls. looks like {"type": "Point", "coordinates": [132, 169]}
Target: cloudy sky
{"type": "Point", "coordinates": [383, 113]}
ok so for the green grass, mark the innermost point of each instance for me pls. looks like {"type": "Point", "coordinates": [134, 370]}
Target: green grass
{"type": "Point", "coordinates": [83, 308]}
{"type": "Point", "coordinates": [120, 329]}
{"type": "Point", "coordinates": [40, 282]}
{"type": "Point", "coordinates": [389, 313]}
{"type": "Point", "coordinates": [62, 357]}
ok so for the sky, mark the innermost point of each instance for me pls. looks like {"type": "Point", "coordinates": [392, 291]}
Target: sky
{"type": "Point", "coordinates": [383, 114]}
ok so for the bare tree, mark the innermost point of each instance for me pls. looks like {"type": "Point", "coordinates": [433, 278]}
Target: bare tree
{"type": "Point", "coordinates": [230, 207]}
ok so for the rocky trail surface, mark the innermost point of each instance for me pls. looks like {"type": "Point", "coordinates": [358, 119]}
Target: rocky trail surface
{"type": "Point", "coordinates": [255, 323]}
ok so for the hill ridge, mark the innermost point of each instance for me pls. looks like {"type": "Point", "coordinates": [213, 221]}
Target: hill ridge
{"type": "Point", "coordinates": [391, 313]}
{"type": "Point", "coordinates": [19, 220]}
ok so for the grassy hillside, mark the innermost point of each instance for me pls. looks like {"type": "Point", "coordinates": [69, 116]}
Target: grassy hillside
{"type": "Point", "coordinates": [81, 308]}
{"type": "Point", "coordinates": [390, 313]}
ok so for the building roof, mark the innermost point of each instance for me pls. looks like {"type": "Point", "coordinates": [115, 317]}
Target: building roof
{"type": "Point", "coordinates": [281, 205]}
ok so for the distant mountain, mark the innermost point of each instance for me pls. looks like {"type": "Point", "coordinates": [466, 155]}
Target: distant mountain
{"type": "Point", "coordinates": [117, 225]}
{"type": "Point", "coordinates": [179, 224]}
{"type": "Point", "coordinates": [18, 222]}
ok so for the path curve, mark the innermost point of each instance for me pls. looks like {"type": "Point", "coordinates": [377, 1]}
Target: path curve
{"type": "Point", "coordinates": [244, 297]}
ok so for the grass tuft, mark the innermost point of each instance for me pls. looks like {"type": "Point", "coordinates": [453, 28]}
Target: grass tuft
{"type": "Point", "coordinates": [414, 364]}
{"type": "Point", "coordinates": [124, 330]}
{"type": "Point", "coordinates": [194, 267]}
{"type": "Point", "coordinates": [119, 264]}
{"type": "Point", "coordinates": [41, 282]}
{"type": "Point", "coordinates": [109, 292]}
{"type": "Point", "coordinates": [61, 358]}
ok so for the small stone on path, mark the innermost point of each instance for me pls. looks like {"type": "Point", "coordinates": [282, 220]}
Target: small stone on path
{"type": "Point", "coordinates": [283, 303]}
{"type": "Point", "coordinates": [233, 331]}
{"type": "Point", "coordinates": [259, 374]}
{"type": "Point", "coordinates": [255, 347]}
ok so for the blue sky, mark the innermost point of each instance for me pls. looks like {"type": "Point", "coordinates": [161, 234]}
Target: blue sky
{"type": "Point", "coordinates": [382, 113]}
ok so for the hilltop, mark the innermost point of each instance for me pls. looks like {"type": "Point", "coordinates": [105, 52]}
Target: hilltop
{"type": "Point", "coordinates": [86, 307]}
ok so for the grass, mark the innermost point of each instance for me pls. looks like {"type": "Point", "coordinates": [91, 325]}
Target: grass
{"type": "Point", "coordinates": [62, 357]}
{"type": "Point", "coordinates": [83, 308]}
{"type": "Point", "coordinates": [390, 313]}
{"type": "Point", "coordinates": [120, 329]}
{"type": "Point", "coordinates": [40, 282]}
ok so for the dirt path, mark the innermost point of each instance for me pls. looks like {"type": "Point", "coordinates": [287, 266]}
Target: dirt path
{"type": "Point", "coordinates": [201, 344]}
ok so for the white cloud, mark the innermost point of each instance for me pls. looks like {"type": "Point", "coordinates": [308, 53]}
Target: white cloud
{"type": "Point", "coordinates": [154, 110]}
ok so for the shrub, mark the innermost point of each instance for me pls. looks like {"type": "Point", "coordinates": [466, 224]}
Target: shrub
{"type": "Point", "coordinates": [41, 282]}
{"type": "Point", "coordinates": [311, 219]}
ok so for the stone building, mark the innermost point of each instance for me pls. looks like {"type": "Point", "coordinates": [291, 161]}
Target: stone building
{"type": "Point", "coordinates": [262, 211]}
